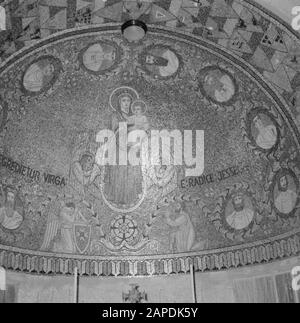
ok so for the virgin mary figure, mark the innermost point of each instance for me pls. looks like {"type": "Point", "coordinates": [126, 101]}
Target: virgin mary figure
{"type": "Point", "coordinates": [123, 185]}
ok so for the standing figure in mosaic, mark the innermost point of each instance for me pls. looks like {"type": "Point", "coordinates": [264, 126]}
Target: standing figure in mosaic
{"type": "Point", "coordinates": [123, 184]}
{"type": "Point", "coordinates": [183, 237]}
{"type": "Point", "coordinates": [59, 234]}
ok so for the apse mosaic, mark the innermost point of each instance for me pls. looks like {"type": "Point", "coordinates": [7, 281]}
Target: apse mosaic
{"type": "Point", "coordinates": [59, 206]}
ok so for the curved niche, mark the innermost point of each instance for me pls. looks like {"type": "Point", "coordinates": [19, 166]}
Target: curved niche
{"type": "Point", "coordinates": [59, 208]}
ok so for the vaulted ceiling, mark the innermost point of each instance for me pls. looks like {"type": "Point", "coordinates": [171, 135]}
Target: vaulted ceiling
{"type": "Point", "coordinates": [213, 65]}
{"type": "Point", "coordinates": [237, 26]}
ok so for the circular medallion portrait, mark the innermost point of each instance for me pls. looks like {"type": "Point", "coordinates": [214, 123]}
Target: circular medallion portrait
{"type": "Point", "coordinates": [239, 211]}
{"type": "Point", "coordinates": [263, 130]}
{"type": "Point", "coordinates": [100, 57]}
{"type": "Point", "coordinates": [3, 114]}
{"type": "Point", "coordinates": [40, 75]}
{"type": "Point", "coordinates": [285, 192]}
{"type": "Point", "coordinates": [218, 85]}
{"type": "Point", "coordinates": [160, 61]}
{"type": "Point", "coordinates": [11, 208]}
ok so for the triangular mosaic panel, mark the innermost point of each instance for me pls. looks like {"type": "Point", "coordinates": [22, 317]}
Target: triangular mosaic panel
{"type": "Point", "coordinates": [232, 24]}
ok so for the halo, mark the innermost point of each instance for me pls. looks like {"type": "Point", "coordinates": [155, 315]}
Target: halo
{"type": "Point", "coordinates": [115, 95]}
{"type": "Point", "coordinates": [86, 153]}
{"type": "Point", "coordinates": [139, 103]}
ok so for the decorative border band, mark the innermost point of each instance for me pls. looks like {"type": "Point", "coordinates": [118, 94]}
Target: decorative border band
{"type": "Point", "coordinates": [223, 260]}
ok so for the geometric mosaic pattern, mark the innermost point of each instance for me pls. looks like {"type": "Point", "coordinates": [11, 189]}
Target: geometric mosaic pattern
{"type": "Point", "coordinates": [233, 24]}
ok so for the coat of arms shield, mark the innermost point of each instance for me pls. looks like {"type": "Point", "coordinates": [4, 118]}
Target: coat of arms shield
{"type": "Point", "coordinates": [82, 237]}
